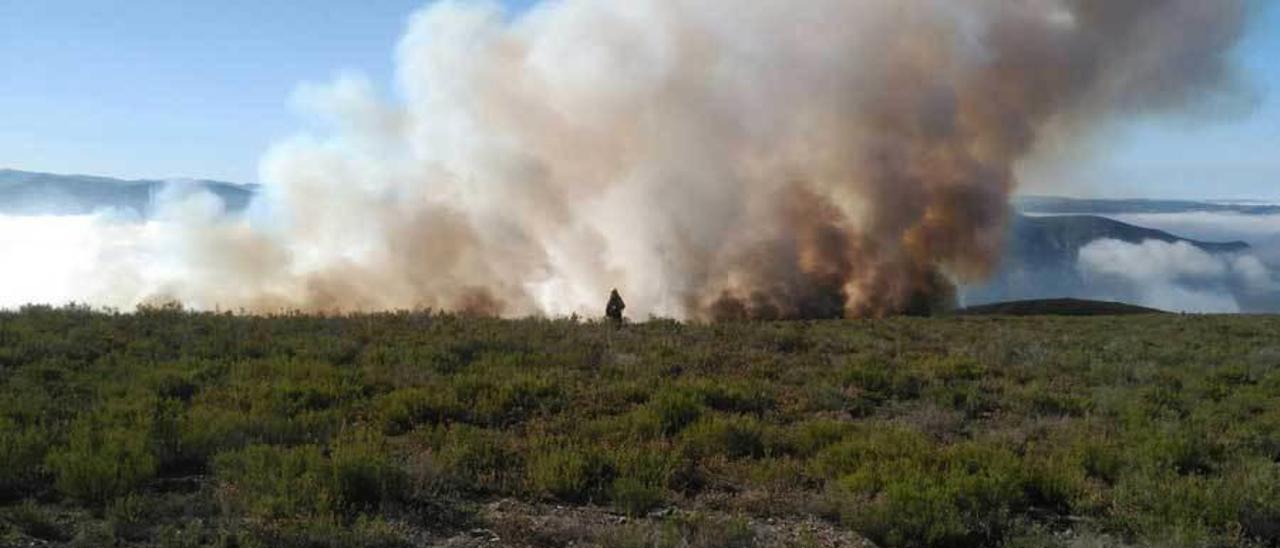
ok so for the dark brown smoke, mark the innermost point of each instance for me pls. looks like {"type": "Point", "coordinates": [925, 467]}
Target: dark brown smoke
{"type": "Point", "coordinates": [947, 130]}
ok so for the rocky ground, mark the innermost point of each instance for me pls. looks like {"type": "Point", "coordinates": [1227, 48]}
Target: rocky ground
{"type": "Point", "coordinates": [517, 524]}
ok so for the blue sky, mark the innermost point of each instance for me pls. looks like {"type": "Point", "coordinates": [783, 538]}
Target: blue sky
{"type": "Point", "coordinates": [200, 88]}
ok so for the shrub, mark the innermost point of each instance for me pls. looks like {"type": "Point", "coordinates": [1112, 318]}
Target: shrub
{"type": "Point", "coordinates": [498, 400]}
{"type": "Point", "coordinates": [403, 410]}
{"type": "Point", "coordinates": [1256, 483]}
{"type": "Point", "coordinates": [867, 446]}
{"type": "Point", "coordinates": [1186, 451]}
{"type": "Point", "coordinates": [475, 460]}
{"type": "Point", "coordinates": [34, 521]}
{"type": "Point", "coordinates": [273, 401]}
{"type": "Point", "coordinates": [964, 496]}
{"type": "Point", "coordinates": [274, 482]}
{"type": "Point", "coordinates": [129, 516]}
{"type": "Point", "coordinates": [675, 410]}
{"type": "Point", "coordinates": [728, 436]}
{"type": "Point", "coordinates": [878, 380]}
{"type": "Point", "coordinates": [22, 452]}
{"type": "Point", "coordinates": [702, 531]}
{"type": "Point", "coordinates": [952, 368]}
{"type": "Point", "coordinates": [365, 475]}
{"type": "Point", "coordinates": [174, 386]}
{"type": "Point", "coordinates": [642, 478]}
{"type": "Point", "coordinates": [102, 462]}
{"type": "Point", "coordinates": [635, 497]}
{"type": "Point", "coordinates": [568, 473]}
{"type": "Point", "coordinates": [365, 532]}
{"type": "Point", "coordinates": [807, 438]}
{"type": "Point", "coordinates": [733, 396]}
{"type": "Point", "coordinates": [167, 418]}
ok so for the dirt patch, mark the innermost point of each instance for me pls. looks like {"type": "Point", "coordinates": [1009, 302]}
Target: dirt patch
{"type": "Point", "coordinates": [517, 524]}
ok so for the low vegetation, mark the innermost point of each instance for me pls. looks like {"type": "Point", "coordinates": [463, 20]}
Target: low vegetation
{"type": "Point", "coordinates": [168, 428]}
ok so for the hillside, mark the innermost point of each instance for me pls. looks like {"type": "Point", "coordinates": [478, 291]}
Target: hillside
{"type": "Point", "coordinates": [1076, 206]}
{"type": "Point", "coordinates": [409, 429]}
{"type": "Point", "coordinates": [27, 193]}
{"type": "Point", "coordinates": [1041, 254]}
{"type": "Point", "coordinates": [1056, 240]}
{"type": "Point", "coordinates": [1057, 307]}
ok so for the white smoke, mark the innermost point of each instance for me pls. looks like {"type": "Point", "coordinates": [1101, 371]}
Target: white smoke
{"type": "Point", "coordinates": [1173, 276]}
{"type": "Point", "coordinates": [710, 158]}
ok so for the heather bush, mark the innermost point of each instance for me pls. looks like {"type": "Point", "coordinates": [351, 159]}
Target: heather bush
{"type": "Point", "coordinates": [22, 453]}
{"type": "Point", "coordinates": [568, 473]}
{"type": "Point", "coordinates": [101, 460]}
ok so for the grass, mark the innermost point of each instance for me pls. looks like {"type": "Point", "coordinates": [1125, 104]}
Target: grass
{"type": "Point", "coordinates": [168, 428]}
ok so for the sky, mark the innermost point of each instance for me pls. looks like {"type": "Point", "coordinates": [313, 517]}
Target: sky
{"type": "Point", "coordinates": [201, 88]}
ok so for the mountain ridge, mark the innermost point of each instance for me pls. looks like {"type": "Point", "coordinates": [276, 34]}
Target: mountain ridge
{"type": "Point", "coordinates": [36, 193]}
{"type": "Point", "coordinates": [1059, 205]}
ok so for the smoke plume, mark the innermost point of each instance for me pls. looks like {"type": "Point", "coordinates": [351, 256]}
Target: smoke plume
{"type": "Point", "coordinates": [709, 158]}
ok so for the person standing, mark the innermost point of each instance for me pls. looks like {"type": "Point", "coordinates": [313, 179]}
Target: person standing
{"type": "Point", "coordinates": [613, 310]}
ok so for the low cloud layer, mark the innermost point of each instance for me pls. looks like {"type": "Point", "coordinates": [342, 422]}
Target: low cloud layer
{"type": "Point", "coordinates": [1175, 276]}
{"type": "Point", "coordinates": [1262, 232]}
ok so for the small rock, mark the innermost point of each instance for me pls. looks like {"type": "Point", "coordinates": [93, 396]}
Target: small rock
{"type": "Point", "coordinates": [661, 513]}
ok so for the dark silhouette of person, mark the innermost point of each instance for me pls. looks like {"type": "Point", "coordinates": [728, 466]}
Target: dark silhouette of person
{"type": "Point", "coordinates": [614, 309]}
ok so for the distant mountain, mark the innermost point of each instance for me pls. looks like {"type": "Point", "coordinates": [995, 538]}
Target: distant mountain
{"type": "Point", "coordinates": [1042, 252]}
{"type": "Point", "coordinates": [1058, 307]}
{"type": "Point", "coordinates": [1066, 206]}
{"type": "Point", "coordinates": [1056, 241]}
{"type": "Point", "coordinates": [28, 193]}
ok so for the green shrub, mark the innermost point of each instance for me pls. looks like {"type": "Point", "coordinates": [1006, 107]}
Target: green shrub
{"type": "Point", "coordinates": [1055, 401]}
{"type": "Point", "coordinates": [643, 475]}
{"type": "Point", "coordinates": [568, 473]}
{"type": "Point", "coordinates": [703, 531]}
{"type": "Point", "coordinates": [966, 495]}
{"type": "Point", "coordinates": [728, 436]}
{"type": "Point", "coordinates": [498, 400]}
{"type": "Point", "coordinates": [953, 368]}
{"type": "Point", "coordinates": [175, 386]}
{"type": "Point", "coordinates": [34, 521]}
{"type": "Point", "coordinates": [129, 517]}
{"type": "Point", "coordinates": [1184, 450]}
{"type": "Point", "coordinates": [870, 445]}
{"type": "Point", "coordinates": [365, 532]}
{"type": "Point", "coordinates": [167, 419]}
{"type": "Point", "coordinates": [807, 438]}
{"type": "Point", "coordinates": [270, 401]}
{"type": "Point", "coordinates": [675, 410]}
{"type": "Point", "coordinates": [101, 462]}
{"type": "Point", "coordinates": [1102, 461]}
{"type": "Point", "coordinates": [403, 410]}
{"type": "Point", "coordinates": [733, 396]}
{"type": "Point", "coordinates": [22, 453]}
{"type": "Point", "coordinates": [275, 482]}
{"type": "Point", "coordinates": [1058, 481]}
{"type": "Point", "coordinates": [365, 474]}
{"type": "Point", "coordinates": [1256, 484]}
{"type": "Point", "coordinates": [635, 497]}
{"type": "Point", "coordinates": [910, 512]}
{"type": "Point", "coordinates": [879, 380]}
{"type": "Point", "coordinates": [475, 460]}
